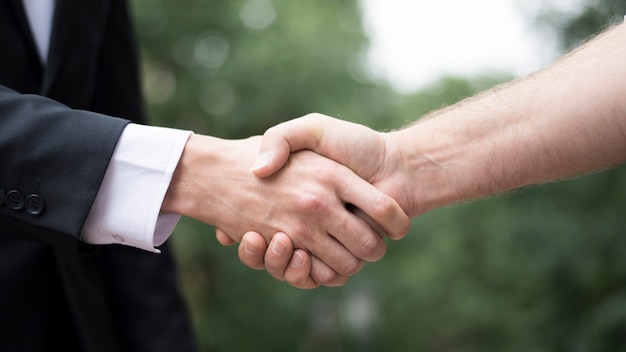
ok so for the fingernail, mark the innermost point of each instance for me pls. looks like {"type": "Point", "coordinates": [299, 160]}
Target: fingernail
{"type": "Point", "coordinates": [279, 247]}
{"type": "Point", "coordinates": [297, 260]}
{"type": "Point", "coordinates": [262, 160]}
{"type": "Point", "coordinates": [250, 247]}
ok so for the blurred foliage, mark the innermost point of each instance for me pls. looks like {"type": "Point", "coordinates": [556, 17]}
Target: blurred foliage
{"type": "Point", "coordinates": [573, 28]}
{"type": "Point", "coordinates": [235, 68]}
{"type": "Point", "coordinates": [540, 269]}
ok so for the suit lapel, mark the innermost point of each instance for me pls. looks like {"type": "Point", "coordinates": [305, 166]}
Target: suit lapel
{"type": "Point", "coordinates": [61, 30]}
{"type": "Point", "coordinates": [24, 27]}
{"type": "Point", "coordinates": [77, 32]}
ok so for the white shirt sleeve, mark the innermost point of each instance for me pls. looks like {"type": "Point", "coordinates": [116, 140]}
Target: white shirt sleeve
{"type": "Point", "coordinates": [127, 209]}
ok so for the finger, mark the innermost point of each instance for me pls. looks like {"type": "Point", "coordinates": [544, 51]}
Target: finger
{"type": "Point", "coordinates": [379, 207]}
{"type": "Point", "coordinates": [371, 222]}
{"type": "Point", "coordinates": [341, 240]}
{"type": "Point", "coordinates": [252, 250]}
{"type": "Point", "coordinates": [284, 262]}
{"type": "Point", "coordinates": [279, 141]}
{"type": "Point", "coordinates": [351, 237]}
{"type": "Point", "coordinates": [223, 238]}
{"type": "Point", "coordinates": [337, 255]}
{"type": "Point", "coordinates": [298, 272]}
{"type": "Point", "coordinates": [278, 255]}
{"type": "Point", "coordinates": [322, 274]}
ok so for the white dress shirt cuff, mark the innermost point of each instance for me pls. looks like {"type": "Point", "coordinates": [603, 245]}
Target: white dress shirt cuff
{"type": "Point", "coordinates": [127, 209]}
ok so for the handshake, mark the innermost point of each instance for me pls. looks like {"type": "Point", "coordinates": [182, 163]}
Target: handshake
{"type": "Point", "coordinates": [323, 194]}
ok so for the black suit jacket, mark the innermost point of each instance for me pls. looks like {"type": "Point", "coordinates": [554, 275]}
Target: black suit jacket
{"type": "Point", "coordinates": [56, 293]}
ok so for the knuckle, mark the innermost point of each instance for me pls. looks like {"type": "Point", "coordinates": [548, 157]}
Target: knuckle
{"type": "Point", "coordinates": [383, 206]}
{"type": "Point", "coordinates": [323, 274]}
{"type": "Point", "coordinates": [312, 202]}
{"type": "Point", "coordinates": [325, 277]}
{"type": "Point", "coordinates": [385, 209]}
{"type": "Point", "coordinates": [371, 248]}
{"type": "Point", "coordinates": [350, 267]}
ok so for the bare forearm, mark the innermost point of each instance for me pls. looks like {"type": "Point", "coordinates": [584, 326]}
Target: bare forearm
{"type": "Point", "coordinates": [566, 120]}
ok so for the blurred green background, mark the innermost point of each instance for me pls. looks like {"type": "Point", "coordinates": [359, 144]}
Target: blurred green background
{"type": "Point", "coordinates": [541, 269]}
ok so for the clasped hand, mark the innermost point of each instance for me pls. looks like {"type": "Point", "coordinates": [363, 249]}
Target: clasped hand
{"type": "Point", "coordinates": [310, 199]}
{"type": "Point", "coordinates": [365, 152]}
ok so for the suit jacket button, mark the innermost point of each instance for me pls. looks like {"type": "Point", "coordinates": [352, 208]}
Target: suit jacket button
{"type": "Point", "coordinates": [35, 205]}
{"type": "Point", "coordinates": [15, 200]}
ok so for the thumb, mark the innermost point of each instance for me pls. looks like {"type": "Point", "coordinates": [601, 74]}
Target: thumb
{"type": "Point", "coordinates": [283, 139]}
{"type": "Point", "coordinates": [273, 155]}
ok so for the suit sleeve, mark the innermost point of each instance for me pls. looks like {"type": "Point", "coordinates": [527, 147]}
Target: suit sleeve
{"type": "Point", "coordinates": [52, 161]}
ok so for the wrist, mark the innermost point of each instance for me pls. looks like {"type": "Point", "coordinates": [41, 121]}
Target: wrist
{"type": "Point", "coordinates": [435, 167]}
{"type": "Point", "coordinates": [213, 183]}
{"type": "Point", "coordinates": [181, 197]}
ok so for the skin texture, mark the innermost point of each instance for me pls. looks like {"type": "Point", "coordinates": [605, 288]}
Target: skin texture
{"type": "Point", "coordinates": [308, 199]}
{"type": "Point", "coordinates": [566, 120]}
